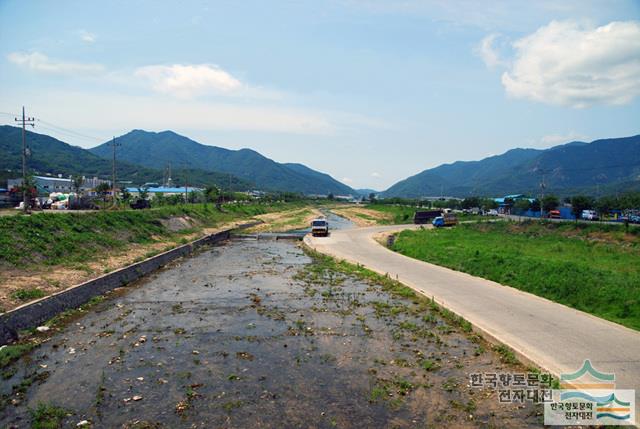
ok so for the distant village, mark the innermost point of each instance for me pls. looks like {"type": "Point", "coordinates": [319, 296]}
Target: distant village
{"type": "Point", "coordinates": [55, 192]}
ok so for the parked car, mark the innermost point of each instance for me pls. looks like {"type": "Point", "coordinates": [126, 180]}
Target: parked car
{"type": "Point", "coordinates": [634, 218]}
{"type": "Point", "coordinates": [320, 227]}
{"type": "Point", "coordinates": [140, 204]}
{"type": "Point", "coordinates": [492, 212]}
{"type": "Point", "coordinates": [589, 215]}
{"type": "Point", "coordinates": [554, 214]}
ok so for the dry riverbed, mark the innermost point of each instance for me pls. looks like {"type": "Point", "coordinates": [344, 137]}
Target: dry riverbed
{"type": "Point", "coordinates": [258, 334]}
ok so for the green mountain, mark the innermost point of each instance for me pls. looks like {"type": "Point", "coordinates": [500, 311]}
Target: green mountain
{"type": "Point", "coordinates": [155, 150]}
{"type": "Point", "coordinates": [365, 192]}
{"type": "Point", "coordinates": [52, 156]}
{"type": "Point", "coordinates": [606, 165]}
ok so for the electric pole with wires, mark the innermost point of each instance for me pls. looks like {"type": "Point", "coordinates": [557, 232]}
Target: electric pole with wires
{"type": "Point", "coordinates": [113, 172]}
{"type": "Point", "coordinates": [25, 153]}
{"type": "Point", "coordinates": [186, 187]}
{"type": "Point", "coordinates": [542, 186]}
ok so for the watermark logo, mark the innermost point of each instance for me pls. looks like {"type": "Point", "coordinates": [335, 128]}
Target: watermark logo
{"type": "Point", "coordinates": [513, 387]}
{"type": "Point", "coordinates": [589, 397]}
{"type": "Point", "coordinates": [587, 377]}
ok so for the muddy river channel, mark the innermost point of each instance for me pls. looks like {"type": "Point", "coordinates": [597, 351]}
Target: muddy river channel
{"type": "Point", "coordinates": [254, 334]}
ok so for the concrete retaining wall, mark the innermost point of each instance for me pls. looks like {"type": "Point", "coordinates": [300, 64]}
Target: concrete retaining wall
{"type": "Point", "coordinates": [33, 314]}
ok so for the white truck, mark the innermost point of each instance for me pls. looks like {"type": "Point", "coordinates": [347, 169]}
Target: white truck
{"type": "Point", "coordinates": [320, 227]}
{"type": "Point", "coordinates": [589, 215]}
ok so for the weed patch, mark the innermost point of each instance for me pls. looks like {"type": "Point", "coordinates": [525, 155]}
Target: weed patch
{"type": "Point", "coordinates": [46, 416]}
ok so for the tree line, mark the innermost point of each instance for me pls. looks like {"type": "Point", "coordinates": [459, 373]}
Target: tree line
{"type": "Point", "coordinates": [623, 202]}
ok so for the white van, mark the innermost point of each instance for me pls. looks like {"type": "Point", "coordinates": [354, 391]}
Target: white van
{"type": "Point", "coordinates": [320, 226]}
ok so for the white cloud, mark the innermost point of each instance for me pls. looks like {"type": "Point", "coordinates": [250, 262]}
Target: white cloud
{"type": "Point", "coordinates": [347, 180]}
{"type": "Point", "coordinates": [376, 175]}
{"type": "Point", "coordinates": [41, 63]}
{"type": "Point", "coordinates": [86, 36]}
{"type": "Point", "coordinates": [110, 110]}
{"type": "Point", "coordinates": [555, 139]}
{"type": "Point", "coordinates": [487, 51]}
{"type": "Point", "coordinates": [187, 81]}
{"type": "Point", "coordinates": [566, 63]}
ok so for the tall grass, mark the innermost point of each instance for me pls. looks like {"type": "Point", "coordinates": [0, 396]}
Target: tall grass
{"type": "Point", "coordinates": [404, 214]}
{"type": "Point", "coordinates": [593, 268]}
{"type": "Point", "coordinates": [55, 238]}
{"type": "Point", "coordinates": [399, 214]}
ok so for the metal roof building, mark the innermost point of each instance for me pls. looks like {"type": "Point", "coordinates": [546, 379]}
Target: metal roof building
{"type": "Point", "coordinates": [166, 190]}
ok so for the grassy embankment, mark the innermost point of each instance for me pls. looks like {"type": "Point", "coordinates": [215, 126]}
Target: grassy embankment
{"type": "Point", "coordinates": [395, 214]}
{"type": "Point", "coordinates": [385, 214]}
{"type": "Point", "coordinates": [375, 214]}
{"type": "Point", "coordinates": [46, 252]}
{"type": "Point", "coordinates": [593, 268]}
{"type": "Point", "coordinates": [287, 221]}
{"type": "Point", "coordinates": [53, 239]}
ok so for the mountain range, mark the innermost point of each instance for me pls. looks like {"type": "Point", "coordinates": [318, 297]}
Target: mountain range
{"type": "Point", "coordinates": [602, 166]}
{"type": "Point", "coordinates": [607, 165]}
{"type": "Point", "coordinates": [156, 150]}
{"type": "Point", "coordinates": [52, 156]}
{"type": "Point", "coordinates": [142, 157]}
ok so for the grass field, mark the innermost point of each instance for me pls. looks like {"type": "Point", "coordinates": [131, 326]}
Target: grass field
{"type": "Point", "coordinates": [593, 268]}
{"type": "Point", "coordinates": [286, 221]}
{"type": "Point", "coordinates": [51, 239]}
{"type": "Point", "coordinates": [397, 214]}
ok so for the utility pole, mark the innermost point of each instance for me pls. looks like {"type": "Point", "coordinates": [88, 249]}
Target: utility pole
{"type": "Point", "coordinates": [542, 186]}
{"type": "Point", "coordinates": [164, 177]}
{"type": "Point", "coordinates": [186, 184]}
{"type": "Point", "coordinates": [25, 152]}
{"type": "Point", "coordinates": [113, 172]}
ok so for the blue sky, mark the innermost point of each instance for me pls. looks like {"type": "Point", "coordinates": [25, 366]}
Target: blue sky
{"type": "Point", "coordinates": [368, 91]}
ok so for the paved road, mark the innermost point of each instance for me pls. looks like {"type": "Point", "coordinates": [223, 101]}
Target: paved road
{"type": "Point", "coordinates": [586, 222]}
{"type": "Point", "coordinates": [555, 337]}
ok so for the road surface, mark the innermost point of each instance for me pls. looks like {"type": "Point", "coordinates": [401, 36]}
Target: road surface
{"type": "Point", "coordinates": [551, 335]}
{"type": "Point", "coordinates": [582, 221]}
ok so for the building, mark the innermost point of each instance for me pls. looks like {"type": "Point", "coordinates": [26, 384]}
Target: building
{"type": "Point", "coordinates": [164, 190]}
{"type": "Point", "coordinates": [49, 184]}
{"type": "Point", "coordinates": [505, 203]}
{"type": "Point", "coordinates": [256, 194]}
{"type": "Point", "coordinates": [5, 200]}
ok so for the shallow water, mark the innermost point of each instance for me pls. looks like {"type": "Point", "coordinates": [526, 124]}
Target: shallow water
{"type": "Point", "coordinates": [243, 336]}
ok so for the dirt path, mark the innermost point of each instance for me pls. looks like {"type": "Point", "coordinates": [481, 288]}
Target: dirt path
{"type": "Point", "coordinates": [255, 335]}
{"type": "Point", "coordinates": [286, 221]}
{"type": "Point", "coordinates": [362, 216]}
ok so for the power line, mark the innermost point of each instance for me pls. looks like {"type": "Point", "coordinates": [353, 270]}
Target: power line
{"type": "Point", "coordinates": [563, 169]}
{"type": "Point", "coordinates": [68, 131]}
{"type": "Point", "coordinates": [58, 129]}
{"type": "Point", "coordinates": [64, 135]}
